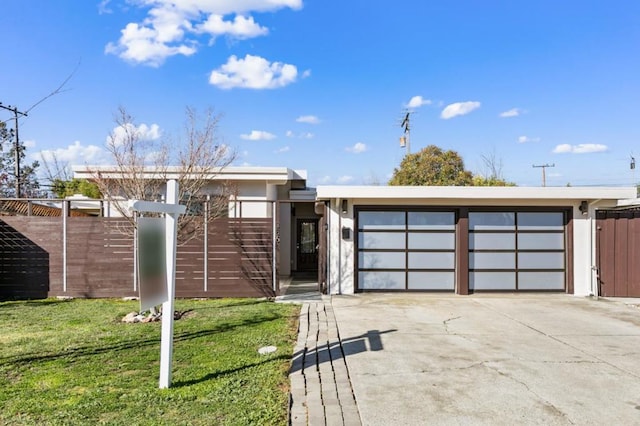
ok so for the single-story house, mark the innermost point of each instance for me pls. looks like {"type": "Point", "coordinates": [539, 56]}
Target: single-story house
{"type": "Point", "coordinates": [581, 241]}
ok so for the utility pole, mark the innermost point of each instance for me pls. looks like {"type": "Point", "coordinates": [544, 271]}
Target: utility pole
{"type": "Point", "coordinates": [544, 176]}
{"type": "Point", "coordinates": [16, 113]}
{"type": "Point", "coordinates": [405, 141]}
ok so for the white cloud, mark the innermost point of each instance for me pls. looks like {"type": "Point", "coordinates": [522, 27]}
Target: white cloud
{"type": "Point", "coordinates": [357, 148]}
{"type": "Point", "coordinates": [258, 135]}
{"type": "Point", "coordinates": [525, 139]}
{"type": "Point", "coordinates": [289, 134]}
{"type": "Point", "coordinates": [241, 28]}
{"type": "Point", "coordinates": [253, 72]}
{"type": "Point", "coordinates": [324, 180]}
{"type": "Point", "coordinates": [344, 179]}
{"type": "Point", "coordinates": [513, 112]}
{"type": "Point", "coordinates": [418, 101]}
{"type": "Point", "coordinates": [459, 108]}
{"type": "Point", "coordinates": [171, 27]}
{"type": "Point", "coordinates": [583, 148]}
{"type": "Point", "coordinates": [76, 154]}
{"type": "Point", "coordinates": [143, 132]}
{"type": "Point", "coordinates": [306, 135]}
{"type": "Point", "coordinates": [309, 119]}
{"type": "Point", "coordinates": [283, 149]}
{"type": "Point", "coordinates": [103, 7]}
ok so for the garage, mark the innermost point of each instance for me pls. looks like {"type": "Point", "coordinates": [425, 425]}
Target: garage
{"type": "Point", "coordinates": [406, 249]}
{"type": "Point", "coordinates": [466, 240]}
{"type": "Point", "coordinates": [517, 250]}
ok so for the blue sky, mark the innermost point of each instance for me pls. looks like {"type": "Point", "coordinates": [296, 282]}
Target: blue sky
{"type": "Point", "coordinates": [321, 85]}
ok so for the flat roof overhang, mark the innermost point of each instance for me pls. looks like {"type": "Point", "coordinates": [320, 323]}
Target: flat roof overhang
{"type": "Point", "coordinates": [462, 193]}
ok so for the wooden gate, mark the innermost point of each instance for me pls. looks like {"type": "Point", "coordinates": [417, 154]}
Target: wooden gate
{"type": "Point", "coordinates": [618, 252]}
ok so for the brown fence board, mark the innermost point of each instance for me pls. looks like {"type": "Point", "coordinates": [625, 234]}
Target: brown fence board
{"type": "Point", "coordinates": [618, 247]}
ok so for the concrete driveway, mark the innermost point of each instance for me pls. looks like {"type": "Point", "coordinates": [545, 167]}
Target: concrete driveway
{"type": "Point", "coordinates": [491, 359]}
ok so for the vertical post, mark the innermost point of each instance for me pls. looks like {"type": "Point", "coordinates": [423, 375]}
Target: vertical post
{"type": "Point", "coordinates": [65, 213]}
{"type": "Point", "coordinates": [135, 250]}
{"type": "Point", "coordinates": [166, 343]}
{"type": "Point", "coordinates": [274, 246]}
{"type": "Point", "coordinates": [206, 242]}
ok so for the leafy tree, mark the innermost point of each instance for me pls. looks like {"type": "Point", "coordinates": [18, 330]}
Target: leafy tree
{"type": "Point", "coordinates": [432, 167]}
{"type": "Point", "coordinates": [479, 180]}
{"type": "Point", "coordinates": [65, 188]}
{"type": "Point", "coordinates": [29, 185]}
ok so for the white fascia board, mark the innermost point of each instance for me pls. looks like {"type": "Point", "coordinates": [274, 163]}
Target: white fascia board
{"type": "Point", "coordinates": [632, 202]}
{"type": "Point", "coordinates": [473, 193]}
{"type": "Point", "coordinates": [273, 175]}
{"type": "Point", "coordinates": [303, 194]}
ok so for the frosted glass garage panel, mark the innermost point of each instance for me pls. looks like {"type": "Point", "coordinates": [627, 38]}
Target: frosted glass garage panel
{"type": "Point", "coordinates": [503, 221]}
{"type": "Point", "coordinates": [538, 241]}
{"type": "Point", "coordinates": [431, 281]}
{"type": "Point", "coordinates": [491, 241]}
{"type": "Point", "coordinates": [432, 241]}
{"type": "Point", "coordinates": [549, 260]}
{"type": "Point", "coordinates": [492, 260]}
{"type": "Point", "coordinates": [381, 220]}
{"type": "Point", "coordinates": [541, 221]}
{"type": "Point", "coordinates": [541, 280]}
{"type": "Point", "coordinates": [492, 281]}
{"type": "Point", "coordinates": [382, 260]}
{"type": "Point", "coordinates": [381, 280]}
{"type": "Point", "coordinates": [381, 240]}
{"type": "Point", "coordinates": [445, 221]}
{"type": "Point", "coordinates": [432, 260]}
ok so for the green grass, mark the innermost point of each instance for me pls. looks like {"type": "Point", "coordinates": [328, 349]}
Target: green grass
{"type": "Point", "coordinates": [74, 362]}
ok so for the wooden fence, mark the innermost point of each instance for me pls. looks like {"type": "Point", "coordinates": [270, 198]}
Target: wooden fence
{"type": "Point", "coordinates": [93, 257]}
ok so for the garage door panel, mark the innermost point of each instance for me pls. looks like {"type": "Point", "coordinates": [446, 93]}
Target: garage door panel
{"type": "Point", "coordinates": [432, 221]}
{"type": "Point", "coordinates": [547, 260]}
{"type": "Point", "coordinates": [382, 260]}
{"type": "Point", "coordinates": [431, 281]}
{"type": "Point", "coordinates": [381, 220]}
{"type": "Point", "coordinates": [492, 260]}
{"type": "Point", "coordinates": [492, 241]}
{"type": "Point", "coordinates": [503, 221]}
{"type": "Point", "coordinates": [541, 241]}
{"type": "Point", "coordinates": [381, 280]}
{"type": "Point", "coordinates": [432, 241]}
{"type": "Point", "coordinates": [541, 280]}
{"type": "Point", "coordinates": [382, 240]}
{"type": "Point", "coordinates": [432, 260]}
{"type": "Point", "coordinates": [540, 221]}
{"type": "Point", "coordinates": [492, 281]}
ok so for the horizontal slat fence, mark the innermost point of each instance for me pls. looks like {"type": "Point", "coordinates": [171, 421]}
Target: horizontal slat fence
{"type": "Point", "coordinates": [99, 259]}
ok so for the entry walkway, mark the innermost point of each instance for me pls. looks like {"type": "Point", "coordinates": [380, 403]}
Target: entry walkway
{"type": "Point", "coordinates": [321, 392]}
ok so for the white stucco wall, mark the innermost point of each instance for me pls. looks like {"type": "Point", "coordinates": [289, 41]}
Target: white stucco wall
{"type": "Point", "coordinates": [341, 251]}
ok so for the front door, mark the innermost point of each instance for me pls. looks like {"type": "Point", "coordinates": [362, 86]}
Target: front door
{"type": "Point", "coordinates": [307, 245]}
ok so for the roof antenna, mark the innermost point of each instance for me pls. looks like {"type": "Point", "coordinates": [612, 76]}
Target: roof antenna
{"type": "Point", "coordinates": [405, 139]}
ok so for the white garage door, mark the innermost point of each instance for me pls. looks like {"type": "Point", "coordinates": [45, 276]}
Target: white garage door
{"type": "Point", "coordinates": [516, 251]}
{"type": "Point", "coordinates": [406, 250]}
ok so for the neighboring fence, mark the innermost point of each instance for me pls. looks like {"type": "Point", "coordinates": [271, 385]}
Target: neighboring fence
{"type": "Point", "coordinates": [93, 257]}
{"type": "Point", "coordinates": [618, 248]}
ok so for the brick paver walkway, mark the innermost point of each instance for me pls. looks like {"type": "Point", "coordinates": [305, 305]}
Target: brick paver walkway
{"type": "Point", "coordinates": [321, 392]}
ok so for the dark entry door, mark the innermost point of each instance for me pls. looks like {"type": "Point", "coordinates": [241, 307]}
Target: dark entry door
{"type": "Point", "coordinates": [307, 245]}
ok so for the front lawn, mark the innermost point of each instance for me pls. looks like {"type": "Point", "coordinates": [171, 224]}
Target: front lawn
{"type": "Point", "coordinates": [74, 362]}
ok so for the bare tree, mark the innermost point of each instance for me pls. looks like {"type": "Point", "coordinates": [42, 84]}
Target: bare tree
{"type": "Point", "coordinates": [142, 166]}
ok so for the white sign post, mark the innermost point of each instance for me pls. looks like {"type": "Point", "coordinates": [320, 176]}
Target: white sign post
{"type": "Point", "coordinates": [172, 211]}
